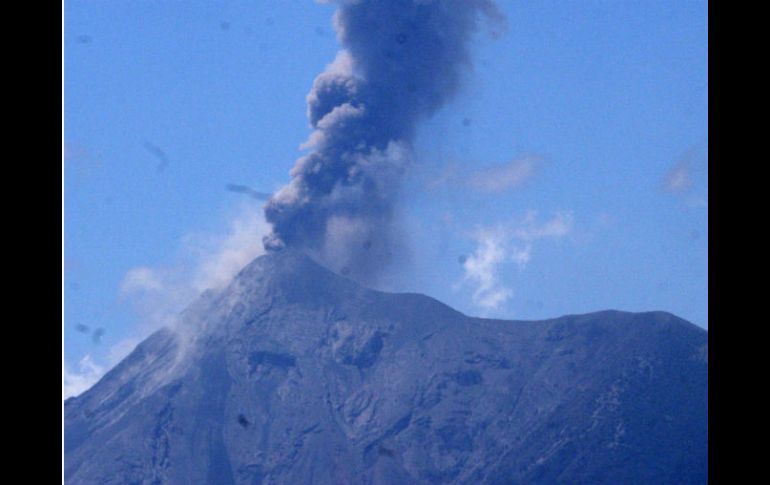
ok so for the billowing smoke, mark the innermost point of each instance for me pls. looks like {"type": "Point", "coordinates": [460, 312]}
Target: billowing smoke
{"type": "Point", "coordinates": [401, 61]}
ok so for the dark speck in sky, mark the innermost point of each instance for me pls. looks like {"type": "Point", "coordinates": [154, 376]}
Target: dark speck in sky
{"type": "Point", "coordinates": [159, 154]}
{"type": "Point", "coordinates": [82, 328]}
{"type": "Point", "coordinates": [244, 189]}
{"type": "Point", "coordinates": [243, 421]}
{"type": "Point", "coordinates": [466, 122]}
{"type": "Point", "coordinates": [97, 335]}
{"type": "Point", "coordinates": [224, 25]}
{"type": "Point", "coordinates": [83, 39]}
{"type": "Point", "coordinates": [462, 259]}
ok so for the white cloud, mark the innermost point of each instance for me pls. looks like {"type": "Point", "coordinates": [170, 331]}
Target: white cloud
{"type": "Point", "coordinates": [530, 230]}
{"type": "Point", "coordinates": [206, 262]}
{"type": "Point", "coordinates": [74, 382]}
{"type": "Point", "coordinates": [500, 178]}
{"type": "Point", "coordinates": [522, 255]}
{"type": "Point", "coordinates": [141, 278]}
{"type": "Point", "coordinates": [506, 243]}
{"type": "Point", "coordinates": [228, 254]}
{"type": "Point", "coordinates": [160, 294]}
{"type": "Point", "coordinates": [481, 268]}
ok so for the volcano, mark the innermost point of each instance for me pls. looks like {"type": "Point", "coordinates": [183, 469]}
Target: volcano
{"type": "Point", "coordinates": [295, 375]}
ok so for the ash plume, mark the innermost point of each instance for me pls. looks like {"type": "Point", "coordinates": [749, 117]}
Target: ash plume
{"type": "Point", "coordinates": [401, 61]}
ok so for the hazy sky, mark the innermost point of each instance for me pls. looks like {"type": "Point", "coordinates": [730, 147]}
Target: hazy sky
{"type": "Point", "coordinates": [569, 174]}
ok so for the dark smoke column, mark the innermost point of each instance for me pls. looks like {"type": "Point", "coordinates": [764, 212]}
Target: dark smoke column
{"type": "Point", "coordinates": [402, 60]}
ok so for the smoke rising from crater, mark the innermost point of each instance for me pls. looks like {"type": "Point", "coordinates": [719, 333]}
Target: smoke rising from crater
{"type": "Point", "coordinates": [401, 61]}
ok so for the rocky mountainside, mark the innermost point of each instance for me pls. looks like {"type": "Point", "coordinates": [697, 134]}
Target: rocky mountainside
{"type": "Point", "coordinates": [295, 375]}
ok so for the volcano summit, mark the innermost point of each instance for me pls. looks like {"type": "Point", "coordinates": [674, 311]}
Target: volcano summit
{"type": "Point", "coordinates": [295, 375]}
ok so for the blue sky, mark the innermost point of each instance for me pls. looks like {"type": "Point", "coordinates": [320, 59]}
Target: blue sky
{"type": "Point", "coordinates": [568, 176]}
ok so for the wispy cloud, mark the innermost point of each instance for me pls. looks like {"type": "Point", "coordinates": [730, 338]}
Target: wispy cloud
{"type": "Point", "coordinates": [141, 278]}
{"type": "Point", "coordinates": [678, 179]}
{"type": "Point", "coordinates": [494, 179]}
{"type": "Point", "coordinates": [689, 171]}
{"type": "Point", "coordinates": [502, 244]}
{"type": "Point", "coordinates": [502, 177]}
{"type": "Point", "coordinates": [206, 262]}
{"type": "Point", "coordinates": [531, 230]}
{"type": "Point", "coordinates": [688, 178]}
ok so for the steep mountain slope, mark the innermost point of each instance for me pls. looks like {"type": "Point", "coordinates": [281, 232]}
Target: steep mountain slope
{"type": "Point", "coordinates": [294, 375]}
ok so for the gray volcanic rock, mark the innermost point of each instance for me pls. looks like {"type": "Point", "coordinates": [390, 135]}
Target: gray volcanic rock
{"type": "Point", "coordinates": [294, 375]}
